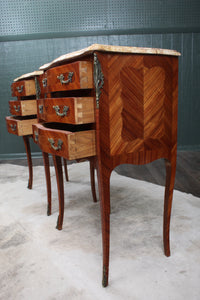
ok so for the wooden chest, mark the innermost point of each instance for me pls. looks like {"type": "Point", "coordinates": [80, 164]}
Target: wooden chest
{"type": "Point", "coordinates": [117, 105]}
{"type": "Point", "coordinates": [24, 110]}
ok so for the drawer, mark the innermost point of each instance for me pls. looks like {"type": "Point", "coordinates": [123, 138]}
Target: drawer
{"type": "Point", "coordinates": [23, 107]}
{"type": "Point", "coordinates": [71, 142]}
{"type": "Point", "coordinates": [23, 88]}
{"type": "Point", "coordinates": [20, 125]}
{"type": "Point", "coordinates": [72, 76]}
{"type": "Point", "coordinates": [67, 110]}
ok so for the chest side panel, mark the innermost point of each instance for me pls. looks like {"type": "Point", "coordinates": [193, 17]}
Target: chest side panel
{"type": "Point", "coordinates": [141, 99]}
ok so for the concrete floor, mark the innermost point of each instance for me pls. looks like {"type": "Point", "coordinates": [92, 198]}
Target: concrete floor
{"type": "Point", "coordinates": [39, 262]}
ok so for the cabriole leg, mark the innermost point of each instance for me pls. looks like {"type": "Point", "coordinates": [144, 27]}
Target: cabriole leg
{"type": "Point", "coordinates": [59, 179]}
{"type": "Point", "coordinates": [104, 188]}
{"type": "Point", "coordinates": [29, 160]}
{"type": "Point", "coordinates": [48, 181]}
{"type": "Point", "coordinates": [92, 179]}
{"type": "Point", "coordinates": [65, 168]}
{"type": "Point", "coordinates": [170, 179]}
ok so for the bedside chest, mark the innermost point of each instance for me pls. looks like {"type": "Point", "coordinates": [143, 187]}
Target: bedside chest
{"type": "Point", "coordinates": [133, 93]}
{"type": "Point", "coordinates": [28, 88]}
{"type": "Point", "coordinates": [24, 111]}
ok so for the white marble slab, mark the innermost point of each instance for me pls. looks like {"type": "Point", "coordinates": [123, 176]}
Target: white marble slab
{"type": "Point", "coordinates": [29, 75]}
{"type": "Point", "coordinates": [108, 48]}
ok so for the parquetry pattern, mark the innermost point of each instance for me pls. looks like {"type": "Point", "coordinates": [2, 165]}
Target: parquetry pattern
{"type": "Point", "coordinates": [140, 106]}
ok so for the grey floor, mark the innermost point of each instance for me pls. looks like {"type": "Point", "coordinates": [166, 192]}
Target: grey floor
{"type": "Point", "coordinates": [187, 171]}
{"type": "Point", "coordinates": [39, 262]}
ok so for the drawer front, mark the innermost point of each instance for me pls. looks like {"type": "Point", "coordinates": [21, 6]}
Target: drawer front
{"type": "Point", "coordinates": [20, 127]}
{"type": "Point", "coordinates": [70, 145]}
{"type": "Point", "coordinates": [72, 76]}
{"type": "Point", "coordinates": [66, 110]}
{"type": "Point", "coordinates": [23, 88]}
{"type": "Point", "coordinates": [23, 107]}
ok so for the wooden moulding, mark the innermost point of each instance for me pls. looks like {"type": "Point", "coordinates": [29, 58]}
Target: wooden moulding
{"type": "Point", "coordinates": [20, 127]}
{"type": "Point", "coordinates": [67, 110]}
{"type": "Point", "coordinates": [23, 107]}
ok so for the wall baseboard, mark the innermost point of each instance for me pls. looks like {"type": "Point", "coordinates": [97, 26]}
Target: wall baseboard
{"type": "Point", "coordinates": [9, 156]}
{"type": "Point", "coordinates": [189, 148]}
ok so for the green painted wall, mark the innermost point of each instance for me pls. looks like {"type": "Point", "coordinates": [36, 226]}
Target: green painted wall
{"type": "Point", "coordinates": [34, 32]}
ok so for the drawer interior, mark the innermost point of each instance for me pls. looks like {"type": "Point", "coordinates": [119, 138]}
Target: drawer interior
{"type": "Point", "coordinates": [69, 127]}
{"type": "Point", "coordinates": [31, 97]}
{"type": "Point", "coordinates": [73, 93]}
{"type": "Point", "coordinates": [22, 118]}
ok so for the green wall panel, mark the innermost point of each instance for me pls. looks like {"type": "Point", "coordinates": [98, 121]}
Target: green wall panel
{"type": "Point", "coordinates": [64, 18]}
{"type": "Point", "coordinates": [25, 28]}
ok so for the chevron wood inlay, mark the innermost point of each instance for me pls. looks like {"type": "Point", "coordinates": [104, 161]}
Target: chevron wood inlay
{"type": "Point", "coordinates": [140, 106]}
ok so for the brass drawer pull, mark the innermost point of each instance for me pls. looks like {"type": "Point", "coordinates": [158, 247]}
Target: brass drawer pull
{"type": "Point", "coordinates": [44, 82]}
{"type": "Point", "coordinates": [52, 142]}
{"type": "Point", "coordinates": [69, 79]}
{"type": "Point", "coordinates": [19, 89]}
{"type": "Point", "coordinates": [13, 127]}
{"type": "Point", "coordinates": [64, 113]}
{"type": "Point", "coordinates": [17, 108]}
{"type": "Point", "coordinates": [40, 109]}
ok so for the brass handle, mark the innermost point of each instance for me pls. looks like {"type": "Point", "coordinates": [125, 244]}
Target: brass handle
{"type": "Point", "coordinates": [64, 113]}
{"type": "Point", "coordinates": [17, 108]}
{"type": "Point", "coordinates": [13, 127]}
{"type": "Point", "coordinates": [69, 79]}
{"type": "Point", "coordinates": [44, 82]}
{"type": "Point", "coordinates": [19, 89]}
{"type": "Point", "coordinates": [36, 135]}
{"type": "Point", "coordinates": [40, 108]}
{"type": "Point", "coordinates": [52, 142]}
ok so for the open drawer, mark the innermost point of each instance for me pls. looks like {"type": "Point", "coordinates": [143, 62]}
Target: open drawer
{"type": "Point", "coordinates": [68, 141]}
{"type": "Point", "coordinates": [20, 125]}
{"type": "Point", "coordinates": [66, 110]}
{"type": "Point", "coordinates": [23, 107]}
{"type": "Point", "coordinates": [23, 88]}
{"type": "Point", "coordinates": [73, 76]}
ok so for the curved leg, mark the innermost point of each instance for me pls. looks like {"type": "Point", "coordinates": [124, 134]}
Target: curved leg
{"type": "Point", "coordinates": [29, 159]}
{"type": "Point", "coordinates": [170, 179]}
{"type": "Point", "coordinates": [92, 179]}
{"type": "Point", "coordinates": [104, 189]}
{"type": "Point", "coordinates": [48, 181]}
{"type": "Point", "coordinates": [65, 168]}
{"type": "Point", "coordinates": [59, 179]}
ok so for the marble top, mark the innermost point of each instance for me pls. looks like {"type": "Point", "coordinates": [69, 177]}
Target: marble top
{"type": "Point", "coordinates": [29, 75]}
{"type": "Point", "coordinates": [108, 48]}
